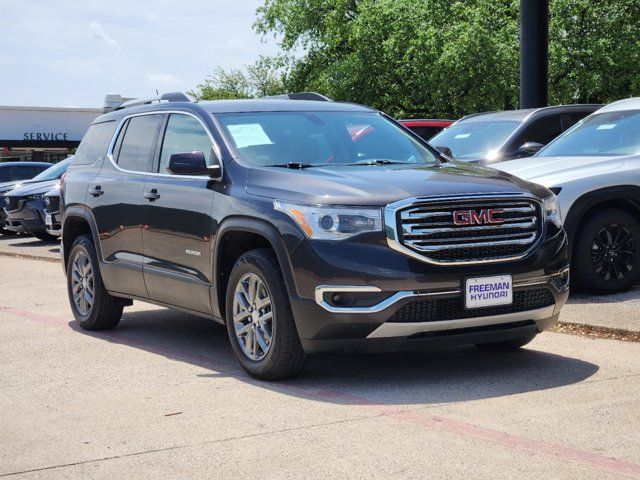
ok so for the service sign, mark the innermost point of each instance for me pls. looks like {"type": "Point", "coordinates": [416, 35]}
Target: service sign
{"type": "Point", "coordinates": [488, 291]}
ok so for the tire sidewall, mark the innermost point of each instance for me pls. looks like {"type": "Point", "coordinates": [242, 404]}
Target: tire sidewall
{"type": "Point", "coordinates": [82, 244]}
{"type": "Point", "coordinates": [584, 273]}
{"type": "Point", "coordinates": [250, 263]}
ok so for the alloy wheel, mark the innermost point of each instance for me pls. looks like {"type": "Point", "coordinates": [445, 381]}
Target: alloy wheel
{"type": "Point", "coordinates": [82, 283]}
{"type": "Point", "coordinates": [613, 252]}
{"type": "Point", "coordinates": [253, 316]}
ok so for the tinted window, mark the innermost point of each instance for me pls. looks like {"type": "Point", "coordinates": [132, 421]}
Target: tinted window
{"type": "Point", "coordinates": [611, 133]}
{"type": "Point", "coordinates": [139, 143]}
{"type": "Point", "coordinates": [5, 174]}
{"type": "Point", "coordinates": [184, 134]}
{"type": "Point", "coordinates": [24, 172]}
{"type": "Point", "coordinates": [321, 138]}
{"type": "Point", "coordinates": [426, 132]}
{"type": "Point", "coordinates": [94, 143]}
{"type": "Point", "coordinates": [540, 131]}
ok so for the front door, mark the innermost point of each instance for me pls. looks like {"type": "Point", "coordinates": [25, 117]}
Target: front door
{"type": "Point", "coordinates": [115, 197]}
{"type": "Point", "coordinates": [179, 227]}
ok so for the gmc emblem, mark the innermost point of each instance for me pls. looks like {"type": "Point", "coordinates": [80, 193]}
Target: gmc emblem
{"type": "Point", "coordinates": [478, 217]}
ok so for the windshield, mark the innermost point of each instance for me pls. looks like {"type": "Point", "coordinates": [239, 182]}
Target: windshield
{"type": "Point", "coordinates": [612, 133]}
{"type": "Point", "coordinates": [474, 140]}
{"type": "Point", "coordinates": [52, 173]}
{"type": "Point", "coordinates": [316, 139]}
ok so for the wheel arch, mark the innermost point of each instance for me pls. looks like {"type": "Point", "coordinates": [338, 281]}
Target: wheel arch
{"type": "Point", "coordinates": [78, 221]}
{"type": "Point", "coordinates": [622, 197]}
{"type": "Point", "coordinates": [236, 236]}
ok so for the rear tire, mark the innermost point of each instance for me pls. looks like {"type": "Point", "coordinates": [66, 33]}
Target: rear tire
{"type": "Point", "coordinates": [92, 306]}
{"type": "Point", "coordinates": [606, 255]}
{"type": "Point", "coordinates": [259, 319]}
{"type": "Point", "coordinates": [506, 345]}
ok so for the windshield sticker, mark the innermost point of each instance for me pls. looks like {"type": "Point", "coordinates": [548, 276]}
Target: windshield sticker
{"type": "Point", "coordinates": [248, 135]}
{"type": "Point", "coordinates": [462, 135]}
{"type": "Point", "coordinates": [607, 126]}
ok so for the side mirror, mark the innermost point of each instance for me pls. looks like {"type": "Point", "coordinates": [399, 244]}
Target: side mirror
{"type": "Point", "coordinates": [445, 150]}
{"type": "Point", "coordinates": [191, 163]}
{"type": "Point", "coordinates": [529, 148]}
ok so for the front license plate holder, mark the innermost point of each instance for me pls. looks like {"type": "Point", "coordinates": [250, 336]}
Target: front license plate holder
{"type": "Point", "coordinates": [482, 292]}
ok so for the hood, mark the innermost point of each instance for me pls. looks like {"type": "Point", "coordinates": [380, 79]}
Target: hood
{"type": "Point", "coordinates": [6, 186]}
{"type": "Point", "coordinates": [53, 192]}
{"type": "Point", "coordinates": [33, 188]}
{"type": "Point", "coordinates": [379, 185]}
{"type": "Point", "coordinates": [553, 171]}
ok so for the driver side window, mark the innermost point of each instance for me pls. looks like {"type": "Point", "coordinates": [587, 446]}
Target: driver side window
{"type": "Point", "coordinates": [184, 134]}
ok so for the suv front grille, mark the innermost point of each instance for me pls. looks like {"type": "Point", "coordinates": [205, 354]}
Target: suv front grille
{"type": "Point", "coordinates": [452, 308]}
{"type": "Point", "coordinates": [10, 203]}
{"type": "Point", "coordinates": [427, 228]}
{"type": "Point", "coordinates": [52, 204]}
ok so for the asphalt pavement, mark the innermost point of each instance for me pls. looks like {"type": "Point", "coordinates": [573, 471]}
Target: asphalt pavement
{"type": "Point", "coordinates": [162, 397]}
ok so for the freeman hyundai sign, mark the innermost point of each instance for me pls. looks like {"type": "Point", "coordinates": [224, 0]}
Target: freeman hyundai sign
{"type": "Point", "coordinates": [488, 291]}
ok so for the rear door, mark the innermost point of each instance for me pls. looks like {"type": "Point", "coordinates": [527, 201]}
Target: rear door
{"type": "Point", "coordinates": [179, 227]}
{"type": "Point", "coordinates": [115, 198]}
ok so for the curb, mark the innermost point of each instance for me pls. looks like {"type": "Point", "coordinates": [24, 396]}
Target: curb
{"type": "Point", "coordinates": [28, 256]}
{"type": "Point", "coordinates": [596, 331]}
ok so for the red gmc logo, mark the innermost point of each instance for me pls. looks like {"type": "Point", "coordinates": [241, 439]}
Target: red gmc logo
{"type": "Point", "coordinates": [478, 217]}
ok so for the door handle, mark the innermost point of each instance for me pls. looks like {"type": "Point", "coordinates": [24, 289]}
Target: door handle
{"type": "Point", "coordinates": [96, 191]}
{"type": "Point", "coordinates": [152, 195]}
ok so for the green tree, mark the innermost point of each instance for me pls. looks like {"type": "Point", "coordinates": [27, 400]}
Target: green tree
{"type": "Point", "coordinates": [449, 58]}
{"type": "Point", "coordinates": [260, 79]}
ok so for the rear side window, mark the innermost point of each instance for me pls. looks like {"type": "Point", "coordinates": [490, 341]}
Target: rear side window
{"type": "Point", "coordinates": [139, 143]}
{"type": "Point", "coordinates": [94, 143]}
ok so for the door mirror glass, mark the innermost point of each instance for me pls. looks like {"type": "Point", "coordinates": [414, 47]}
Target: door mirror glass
{"type": "Point", "coordinates": [529, 148]}
{"type": "Point", "coordinates": [191, 163]}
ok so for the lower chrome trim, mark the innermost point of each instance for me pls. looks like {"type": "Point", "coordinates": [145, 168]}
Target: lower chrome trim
{"type": "Point", "coordinates": [390, 329]}
{"type": "Point", "coordinates": [401, 295]}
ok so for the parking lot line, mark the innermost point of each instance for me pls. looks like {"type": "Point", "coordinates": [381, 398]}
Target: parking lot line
{"type": "Point", "coordinates": [414, 416]}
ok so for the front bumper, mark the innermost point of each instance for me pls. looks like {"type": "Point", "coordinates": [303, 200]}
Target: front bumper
{"type": "Point", "coordinates": [387, 301]}
{"type": "Point", "coordinates": [29, 218]}
{"type": "Point", "coordinates": [54, 227]}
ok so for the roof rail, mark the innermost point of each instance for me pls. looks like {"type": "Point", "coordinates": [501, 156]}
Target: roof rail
{"type": "Point", "coordinates": [165, 97]}
{"type": "Point", "coordinates": [301, 96]}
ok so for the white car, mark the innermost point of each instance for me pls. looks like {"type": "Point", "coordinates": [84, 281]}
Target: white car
{"type": "Point", "coordinates": [594, 168]}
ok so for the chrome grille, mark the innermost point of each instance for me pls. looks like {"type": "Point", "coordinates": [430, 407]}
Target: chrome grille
{"type": "Point", "coordinates": [10, 203]}
{"type": "Point", "coordinates": [427, 228]}
{"type": "Point", "coordinates": [52, 204]}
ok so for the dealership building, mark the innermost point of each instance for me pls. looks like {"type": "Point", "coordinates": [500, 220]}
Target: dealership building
{"type": "Point", "coordinates": [42, 133]}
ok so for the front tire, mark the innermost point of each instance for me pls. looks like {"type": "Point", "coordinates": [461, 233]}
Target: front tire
{"type": "Point", "coordinates": [44, 236]}
{"type": "Point", "coordinates": [259, 319]}
{"type": "Point", "coordinates": [607, 252]}
{"type": "Point", "coordinates": [92, 306]}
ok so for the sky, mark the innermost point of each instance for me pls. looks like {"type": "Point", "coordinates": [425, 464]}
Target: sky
{"type": "Point", "coordinates": [71, 53]}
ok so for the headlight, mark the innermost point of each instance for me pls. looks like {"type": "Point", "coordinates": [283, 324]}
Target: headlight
{"type": "Point", "coordinates": [552, 210]}
{"type": "Point", "coordinates": [332, 223]}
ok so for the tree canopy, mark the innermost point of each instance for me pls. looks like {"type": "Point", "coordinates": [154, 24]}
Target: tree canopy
{"type": "Point", "coordinates": [438, 58]}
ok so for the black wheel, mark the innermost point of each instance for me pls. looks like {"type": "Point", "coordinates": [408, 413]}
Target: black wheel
{"type": "Point", "coordinates": [605, 255]}
{"type": "Point", "coordinates": [259, 318]}
{"type": "Point", "coordinates": [92, 306]}
{"type": "Point", "coordinates": [8, 233]}
{"type": "Point", "coordinates": [513, 344]}
{"type": "Point", "coordinates": [44, 236]}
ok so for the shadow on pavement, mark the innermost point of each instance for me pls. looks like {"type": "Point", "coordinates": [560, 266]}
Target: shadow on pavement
{"type": "Point", "coordinates": [434, 376]}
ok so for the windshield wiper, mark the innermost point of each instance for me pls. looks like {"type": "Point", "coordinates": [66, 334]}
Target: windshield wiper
{"type": "Point", "coordinates": [379, 162]}
{"type": "Point", "coordinates": [294, 165]}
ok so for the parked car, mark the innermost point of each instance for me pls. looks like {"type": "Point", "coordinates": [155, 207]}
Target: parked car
{"type": "Point", "coordinates": [24, 205]}
{"type": "Point", "coordinates": [498, 136]}
{"type": "Point", "coordinates": [595, 170]}
{"type": "Point", "coordinates": [269, 217]}
{"type": "Point", "coordinates": [426, 128]}
{"type": "Point", "coordinates": [53, 212]}
{"type": "Point", "coordinates": [12, 174]}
